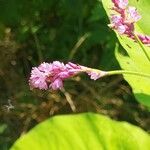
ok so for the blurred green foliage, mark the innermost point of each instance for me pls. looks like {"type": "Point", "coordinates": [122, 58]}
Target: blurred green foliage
{"type": "Point", "coordinates": [52, 28]}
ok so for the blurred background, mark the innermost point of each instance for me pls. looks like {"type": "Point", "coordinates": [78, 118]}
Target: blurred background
{"type": "Point", "coordinates": [66, 30]}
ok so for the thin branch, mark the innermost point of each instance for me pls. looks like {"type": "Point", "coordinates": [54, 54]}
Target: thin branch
{"type": "Point", "coordinates": [77, 45]}
{"type": "Point", "coordinates": [69, 99]}
{"type": "Point", "coordinates": [141, 45]}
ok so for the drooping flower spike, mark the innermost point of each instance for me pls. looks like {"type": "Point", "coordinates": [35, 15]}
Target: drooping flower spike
{"type": "Point", "coordinates": [51, 75]}
{"type": "Point", "coordinates": [124, 19]}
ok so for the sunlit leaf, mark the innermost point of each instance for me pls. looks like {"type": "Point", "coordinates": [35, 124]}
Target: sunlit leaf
{"type": "Point", "coordinates": [135, 59]}
{"type": "Point", "coordinates": [86, 131]}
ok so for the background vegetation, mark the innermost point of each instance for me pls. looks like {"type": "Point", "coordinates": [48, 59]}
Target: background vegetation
{"type": "Point", "coordinates": [67, 30]}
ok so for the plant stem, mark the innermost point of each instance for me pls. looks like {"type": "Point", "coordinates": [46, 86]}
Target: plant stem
{"type": "Point", "coordinates": [141, 45]}
{"type": "Point", "coordinates": [78, 44]}
{"type": "Point", "coordinates": [115, 72]}
{"type": "Point", "coordinates": [127, 72]}
{"type": "Point", "coordinates": [69, 99]}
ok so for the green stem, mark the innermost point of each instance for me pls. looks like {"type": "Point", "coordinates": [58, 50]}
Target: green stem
{"type": "Point", "coordinates": [127, 72]}
{"type": "Point", "coordinates": [141, 45]}
{"type": "Point", "coordinates": [115, 72]}
{"type": "Point", "coordinates": [77, 45]}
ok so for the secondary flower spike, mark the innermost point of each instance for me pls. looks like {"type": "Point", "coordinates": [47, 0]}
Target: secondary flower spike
{"type": "Point", "coordinates": [51, 75]}
{"type": "Point", "coordinates": [124, 18]}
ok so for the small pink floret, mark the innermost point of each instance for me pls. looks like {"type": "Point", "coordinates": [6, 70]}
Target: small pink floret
{"type": "Point", "coordinates": [45, 68]}
{"type": "Point", "coordinates": [145, 39]}
{"type": "Point", "coordinates": [38, 79]}
{"type": "Point", "coordinates": [121, 4]}
{"type": "Point", "coordinates": [56, 84]}
{"type": "Point", "coordinates": [94, 75]}
{"type": "Point", "coordinates": [132, 15]}
{"type": "Point", "coordinates": [58, 66]}
{"type": "Point", "coordinates": [121, 29]}
{"type": "Point", "coordinates": [117, 23]}
{"type": "Point", "coordinates": [116, 20]}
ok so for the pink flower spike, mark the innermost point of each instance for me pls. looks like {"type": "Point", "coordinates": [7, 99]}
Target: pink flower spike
{"type": "Point", "coordinates": [124, 20]}
{"type": "Point", "coordinates": [52, 75]}
{"type": "Point", "coordinates": [121, 4]}
{"type": "Point", "coordinates": [132, 15]}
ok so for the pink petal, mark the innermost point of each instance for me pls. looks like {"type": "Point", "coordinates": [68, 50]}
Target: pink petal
{"type": "Point", "coordinates": [45, 67]}
{"type": "Point", "coordinates": [132, 15]}
{"type": "Point", "coordinates": [121, 4]}
{"type": "Point", "coordinates": [37, 79]}
{"type": "Point", "coordinates": [56, 84]}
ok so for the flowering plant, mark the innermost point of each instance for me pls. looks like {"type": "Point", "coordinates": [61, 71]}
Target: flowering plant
{"type": "Point", "coordinates": [89, 130]}
{"type": "Point", "coordinates": [129, 24]}
{"type": "Point", "coordinates": [123, 18]}
{"type": "Point", "coordinates": [52, 75]}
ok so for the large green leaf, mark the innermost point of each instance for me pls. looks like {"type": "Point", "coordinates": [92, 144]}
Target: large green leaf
{"type": "Point", "coordinates": [85, 131]}
{"type": "Point", "coordinates": [135, 60]}
{"type": "Point", "coordinates": [143, 7]}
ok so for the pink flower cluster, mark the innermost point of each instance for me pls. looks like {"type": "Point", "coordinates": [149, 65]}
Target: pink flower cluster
{"type": "Point", "coordinates": [124, 19]}
{"type": "Point", "coordinates": [52, 75]}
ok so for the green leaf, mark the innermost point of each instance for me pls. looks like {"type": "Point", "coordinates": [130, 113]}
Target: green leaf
{"type": "Point", "coordinates": [139, 85]}
{"type": "Point", "coordinates": [135, 59]}
{"type": "Point", "coordinates": [85, 131]}
{"type": "Point", "coordinates": [143, 6]}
